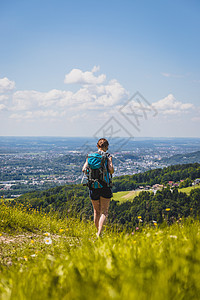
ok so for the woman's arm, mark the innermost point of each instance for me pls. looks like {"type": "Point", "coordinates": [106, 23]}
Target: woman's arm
{"type": "Point", "coordinates": [85, 166]}
{"type": "Point", "coordinates": [110, 165]}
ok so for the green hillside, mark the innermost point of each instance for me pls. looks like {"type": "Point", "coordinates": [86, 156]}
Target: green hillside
{"type": "Point", "coordinates": [193, 157]}
{"type": "Point", "coordinates": [43, 257]}
{"type": "Point", "coordinates": [161, 176]}
{"type": "Point", "coordinates": [73, 200]}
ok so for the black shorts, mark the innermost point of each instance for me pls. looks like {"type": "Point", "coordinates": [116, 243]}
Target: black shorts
{"type": "Point", "coordinates": [103, 192]}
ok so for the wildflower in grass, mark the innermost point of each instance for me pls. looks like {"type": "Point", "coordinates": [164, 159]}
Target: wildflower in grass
{"type": "Point", "coordinates": [32, 241]}
{"type": "Point", "coordinates": [47, 234]}
{"type": "Point", "coordinates": [25, 258]}
{"type": "Point", "coordinates": [48, 241]}
{"type": "Point", "coordinates": [0, 234]}
{"type": "Point", "coordinates": [139, 217]}
{"type": "Point", "coordinates": [167, 209]}
{"type": "Point", "coordinates": [159, 232]}
{"type": "Point", "coordinates": [33, 255]}
{"type": "Point", "coordinates": [61, 230]}
{"type": "Point", "coordinates": [137, 228]}
{"type": "Point", "coordinates": [133, 233]}
{"type": "Point", "coordinates": [173, 236]}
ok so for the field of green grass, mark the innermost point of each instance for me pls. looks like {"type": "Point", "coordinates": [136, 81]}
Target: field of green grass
{"type": "Point", "coordinates": [125, 195]}
{"type": "Point", "coordinates": [188, 189]}
{"type": "Point", "coordinates": [43, 257]}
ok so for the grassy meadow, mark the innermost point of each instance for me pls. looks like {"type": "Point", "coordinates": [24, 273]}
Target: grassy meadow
{"type": "Point", "coordinates": [43, 257]}
{"type": "Point", "coordinates": [123, 196]}
{"type": "Point", "coordinates": [188, 189]}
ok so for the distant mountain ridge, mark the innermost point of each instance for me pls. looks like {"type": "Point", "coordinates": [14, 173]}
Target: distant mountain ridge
{"type": "Point", "coordinates": [188, 158]}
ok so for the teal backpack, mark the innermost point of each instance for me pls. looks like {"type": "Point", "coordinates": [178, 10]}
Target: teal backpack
{"type": "Point", "coordinates": [97, 171]}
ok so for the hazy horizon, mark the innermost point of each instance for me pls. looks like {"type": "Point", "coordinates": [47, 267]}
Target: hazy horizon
{"type": "Point", "coordinates": [90, 137]}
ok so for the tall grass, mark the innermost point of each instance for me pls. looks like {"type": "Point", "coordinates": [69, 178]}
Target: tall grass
{"type": "Point", "coordinates": [150, 263]}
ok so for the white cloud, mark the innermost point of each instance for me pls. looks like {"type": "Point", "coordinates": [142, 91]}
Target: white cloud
{"type": "Point", "coordinates": [15, 116]}
{"type": "Point", "coordinates": [95, 69]}
{"type": "Point", "coordinates": [100, 96]}
{"type": "Point", "coordinates": [87, 106]}
{"type": "Point", "coordinates": [55, 97]}
{"type": "Point", "coordinates": [78, 117]}
{"type": "Point", "coordinates": [166, 74]}
{"type": "Point", "coordinates": [113, 94]}
{"type": "Point", "coordinates": [170, 106]}
{"type": "Point", "coordinates": [196, 119]}
{"type": "Point", "coordinates": [24, 100]}
{"type": "Point", "coordinates": [103, 116]}
{"type": "Point", "coordinates": [6, 85]}
{"type": "Point", "coordinates": [88, 77]}
{"type": "Point", "coordinates": [46, 113]}
{"type": "Point", "coordinates": [84, 95]}
{"type": "Point", "coordinates": [2, 107]}
{"type": "Point", "coordinates": [37, 114]}
{"type": "Point", "coordinates": [94, 94]}
{"type": "Point", "coordinates": [172, 75]}
{"type": "Point", "coordinates": [3, 98]}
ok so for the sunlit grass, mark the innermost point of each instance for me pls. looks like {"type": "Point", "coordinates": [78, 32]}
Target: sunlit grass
{"type": "Point", "coordinates": [188, 189]}
{"type": "Point", "coordinates": [123, 196]}
{"type": "Point", "coordinates": [43, 257]}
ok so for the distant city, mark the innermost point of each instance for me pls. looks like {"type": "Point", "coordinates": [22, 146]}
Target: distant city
{"type": "Point", "coordinates": [37, 163]}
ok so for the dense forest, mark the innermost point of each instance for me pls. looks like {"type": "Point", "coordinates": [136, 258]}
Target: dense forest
{"type": "Point", "coordinates": [162, 176]}
{"type": "Point", "coordinates": [166, 205]}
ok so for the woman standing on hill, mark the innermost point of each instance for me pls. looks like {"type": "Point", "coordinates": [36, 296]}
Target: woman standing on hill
{"type": "Point", "coordinates": [101, 193]}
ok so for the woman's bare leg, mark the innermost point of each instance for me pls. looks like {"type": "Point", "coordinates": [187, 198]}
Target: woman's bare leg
{"type": "Point", "coordinates": [104, 205]}
{"type": "Point", "coordinates": [96, 208]}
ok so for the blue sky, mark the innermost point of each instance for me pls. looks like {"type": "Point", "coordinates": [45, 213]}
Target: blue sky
{"type": "Point", "coordinates": [67, 67]}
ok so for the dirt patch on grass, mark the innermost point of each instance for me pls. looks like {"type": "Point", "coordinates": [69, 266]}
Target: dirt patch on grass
{"type": "Point", "coordinates": [129, 195]}
{"type": "Point", "coordinates": [26, 237]}
{"type": "Point", "coordinates": [6, 239]}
